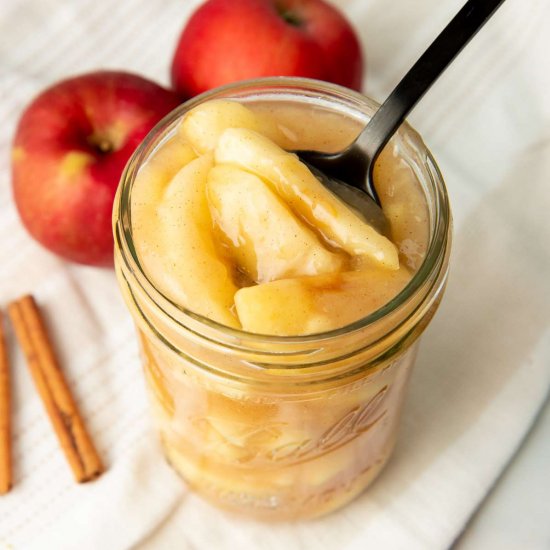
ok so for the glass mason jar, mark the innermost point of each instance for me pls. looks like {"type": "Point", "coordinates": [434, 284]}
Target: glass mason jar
{"type": "Point", "coordinates": [281, 427]}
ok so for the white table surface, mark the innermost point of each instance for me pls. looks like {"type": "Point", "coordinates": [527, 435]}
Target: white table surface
{"type": "Point", "coordinates": [516, 513]}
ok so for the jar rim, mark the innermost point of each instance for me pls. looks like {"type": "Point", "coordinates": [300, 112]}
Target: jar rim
{"type": "Point", "coordinates": [123, 227]}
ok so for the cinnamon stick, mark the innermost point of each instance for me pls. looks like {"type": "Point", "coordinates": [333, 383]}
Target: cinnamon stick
{"type": "Point", "coordinates": [53, 389]}
{"type": "Point", "coordinates": [5, 416]}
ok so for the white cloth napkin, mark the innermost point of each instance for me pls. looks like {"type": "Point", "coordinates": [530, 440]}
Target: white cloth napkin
{"type": "Point", "coordinates": [484, 366]}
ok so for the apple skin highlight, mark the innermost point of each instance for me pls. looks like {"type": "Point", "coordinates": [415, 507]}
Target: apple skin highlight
{"type": "Point", "coordinates": [70, 148]}
{"type": "Point", "coordinates": [229, 40]}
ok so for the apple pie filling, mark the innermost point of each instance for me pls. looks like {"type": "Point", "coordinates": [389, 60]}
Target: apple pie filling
{"type": "Point", "coordinates": [231, 226]}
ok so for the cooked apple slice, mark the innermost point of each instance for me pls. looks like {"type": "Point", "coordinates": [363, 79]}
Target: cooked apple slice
{"type": "Point", "coordinates": [154, 176]}
{"type": "Point", "coordinates": [308, 305]}
{"type": "Point", "coordinates": [266, 239]}
{"type": "Point", "coordinates": [203, 125]}
{"type": "Point", "coordinates": [182, 257]}
{"type": "Point", "coordinates": [305, 195]}
{"type": "Point", "coordinates": [149, 185]}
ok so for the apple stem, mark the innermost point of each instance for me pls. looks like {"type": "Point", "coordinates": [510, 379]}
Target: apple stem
{"type": "Point", "coordinates": [289, 16]}
{"type": "Point", "coordinates": [104, 145]}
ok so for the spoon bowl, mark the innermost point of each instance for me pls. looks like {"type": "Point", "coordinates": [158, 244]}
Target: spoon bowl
{"type": "Point", "coordinates": [363, 203]}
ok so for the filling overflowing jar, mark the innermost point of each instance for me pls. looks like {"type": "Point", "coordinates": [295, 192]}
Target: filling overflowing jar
{"type": "Point", "coordinates": [277, 326]}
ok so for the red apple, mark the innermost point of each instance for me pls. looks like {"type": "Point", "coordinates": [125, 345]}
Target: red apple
{"type": "Point", "coordinates": [70, 148]}
{"type": "Point", "coordinates": [229, 40]}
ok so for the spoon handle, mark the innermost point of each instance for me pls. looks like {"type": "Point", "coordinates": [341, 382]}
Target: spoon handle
{"type": "Point", "coordinates": [387, 119]}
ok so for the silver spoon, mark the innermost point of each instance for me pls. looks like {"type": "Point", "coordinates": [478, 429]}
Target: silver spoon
{"type": "Point", "coordinates": [347, 171]}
